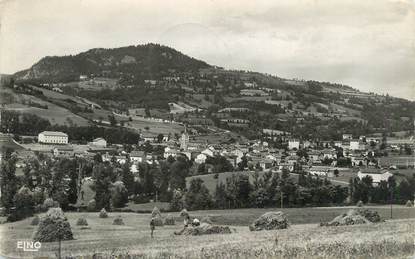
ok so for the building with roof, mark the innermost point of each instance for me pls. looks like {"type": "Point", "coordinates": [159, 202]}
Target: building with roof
{"type": "Point", "coordinates": [377, 175]}
{"type": "Point", "coordinates": [52, 137]}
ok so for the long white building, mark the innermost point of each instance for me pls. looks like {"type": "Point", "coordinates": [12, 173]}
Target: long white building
{"type": "Point", "coordinates": [52, 137]}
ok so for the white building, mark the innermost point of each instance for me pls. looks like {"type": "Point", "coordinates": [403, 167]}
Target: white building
{"type": "Point", "coordinates": [293, 143]}
{"type": "Point", "coordinates": [99, 142]}
{"type": "Point", "coordinates": [376, 174]}
{"type": "Point", "coordinates": [52, 137]}
{"type": "Point", "coordinates": [354, 144]}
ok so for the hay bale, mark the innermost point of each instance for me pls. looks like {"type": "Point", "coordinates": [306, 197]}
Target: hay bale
{"type": "Point", "coordinates": [54, 226]}
{"type": "Point", "coordinates": [409, 204]}
{"type": "Point", "coordinates": [359, 204]}
{"type": "Point", "coordinates": [35, 221]}
{"type": "Point", "coordinates": [206, 219]}
{"type": "Point", "coordinates": [371, 215]}
{"type": "Point", "coordinates": [103, 213]}
{"type": "Point", "coordinates": [206, 229]}
{"type": "Point", "coordinates": [169, 220]}
{"type": "Point", "coordinates": [184, 213]}
{"type": "Point", "coordinates": [352, 217]}
{"type": "Point", "coordinates": [158, 221]}
{"type": "Point", "coordinates": [118, 221]}
{"type": "Point", "coordinates": [269, 221]}
{"type": "Point", "coordinates": [82, 222]}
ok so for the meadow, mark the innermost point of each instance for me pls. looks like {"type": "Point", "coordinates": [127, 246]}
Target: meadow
{"type": "Point", "coordinates": [303, 239]}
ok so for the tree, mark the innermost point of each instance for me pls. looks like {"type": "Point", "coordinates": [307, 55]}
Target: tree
{"type": "Point", "coordinates": [102, 185]}
{"type": "Point", "coordinates": [198, 197]}
{"type": "Point", "coordinates": [24, 203]}
{"type": "Point", "coordinates": [8, 181]}
{"type": "Point", "coordinates": [119, 195]}
{"type": "Point", "coordinates": [160, 138]}
{"type": "Point", "coordinates": [176, 203]}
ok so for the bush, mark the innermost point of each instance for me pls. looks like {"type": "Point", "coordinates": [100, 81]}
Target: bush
{"type": "Point", "coordinates": [54, 226]}
{"type": "Point", "coordinates": [118, 221]}
{"type": "Point", "coordinates": [92, 204]}
{"type": "Point", "coordinates": [35, 221]}
{"type": "Point", "coordinates": [82, 222]}
{"type": "Point", "coordinates": [169, 220]}
{"type": "Point", "coordinates": [103, 213]}
{"type": "Point", "coordinates": [359, 204]}
{"type": "Point", "coordinates": [409, 204]}
{"type": "Point", "coordinates": [38, 196]}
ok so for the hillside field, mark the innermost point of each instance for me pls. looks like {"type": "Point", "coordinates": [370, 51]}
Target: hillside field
{"type": "Point", "coordinates": [393, 238]}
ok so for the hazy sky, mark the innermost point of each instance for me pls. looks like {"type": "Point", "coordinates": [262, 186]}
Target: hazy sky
{"type": "Point", "coordinates": [369, 45]}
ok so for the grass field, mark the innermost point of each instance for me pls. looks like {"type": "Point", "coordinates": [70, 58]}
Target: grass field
{"type": "Point", "coordinates": [390, 239]}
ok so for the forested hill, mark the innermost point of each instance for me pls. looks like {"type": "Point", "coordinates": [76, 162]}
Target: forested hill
{"type": "Point", "coordinates": [133, 63]}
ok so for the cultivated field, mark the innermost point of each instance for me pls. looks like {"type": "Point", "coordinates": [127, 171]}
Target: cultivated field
{"type": "Point", "coordinates": [390, 239]}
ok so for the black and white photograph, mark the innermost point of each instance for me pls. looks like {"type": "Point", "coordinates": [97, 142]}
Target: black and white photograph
{"type": "Point", "coordinates": [192, 129]}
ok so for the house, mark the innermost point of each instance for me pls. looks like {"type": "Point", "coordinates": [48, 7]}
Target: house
{"type": "Point", "coordinates": [168, 151]}
{"type": "Point", "coordinates": [377, 175]}
{"type": "Point", "coordinates": [354, 144]}
{"type": "Point", "coordinates": [98, 142]}
{"type": "Point", "coordinates": [63, 150]}
{"type": "Point", "coordinates": [347, 136]}
{"type": "Point", "coordinates": [325, 171]}
{"type": "Point", "coordinates": [293, 144]}
{"type": "Point", "coordinates": [137, 156]}
{"type": "Point", "coordinates": [52, 137]}
{"type": "Point", "coordinates": [201, 158]}
{"type": "Point", "coordinates": [253, 92]}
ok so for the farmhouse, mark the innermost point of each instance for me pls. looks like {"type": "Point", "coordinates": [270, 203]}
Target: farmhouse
{"type": "Point", "coordinates": [325, 171]}
{"type": "Point", "coordinates": [53, 137]}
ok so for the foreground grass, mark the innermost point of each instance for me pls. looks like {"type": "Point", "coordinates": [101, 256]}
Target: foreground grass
{"type": "Point", "coordinates": [391, 239]}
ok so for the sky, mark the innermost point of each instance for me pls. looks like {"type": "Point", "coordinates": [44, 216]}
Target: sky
{"type": "Point", "coordinates": [369, 45]}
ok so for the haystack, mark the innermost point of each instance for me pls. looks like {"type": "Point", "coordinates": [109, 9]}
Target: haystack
{"type": "Point", "coordinates": [82, 222]}
{"type": "Point", "coordinates": [409, 204]}
{"type": "Point", "coordinates": [54, 226]}
{"type": "Point", "coordinates": [205, 229]}
{"type": "Point", "coordinates": [371, 215]}
{"type": "Point", "coordinates": [118, 221]}
{"type": "Point", "coordinates": [103, 213]}
{"type": "Point", "coordinates": [269, 221]}
{"type": "Point", "coordinates": [353, 217]}
{"type": "Point", "coordinates": [169, 220]}
{"type": "Point", "coordinates": [156, 215]}
{"type": "Point", "coordinates": [184, 213]}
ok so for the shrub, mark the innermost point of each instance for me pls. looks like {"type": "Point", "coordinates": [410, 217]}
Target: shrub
{"type": "Point", "coordinates": [103, 213]}
{"type": "Point", "coordinates": [359, 204]}
{"type": "Point", "coordinates": [54, 226]}
{"type": "Point", "coordinates": [169, 220]}
{"type": "Point", "coordinates": [35, 221]}
{"type": "Point", "coordinates": [38, 195]}
{"type": "Point", "coordinates": [409, 204]}
{"type": "Point", "coordinates": [118, 221]}
{"type": "Point", "coordinates": [92, 204]}
{"type": "Point", "coordinates": [82, 222]}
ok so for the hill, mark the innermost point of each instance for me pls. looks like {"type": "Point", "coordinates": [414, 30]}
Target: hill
{"type": "Point", "coordinates": [131, 63]}
{"type": "Point", "coordinates": [159, 82]}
